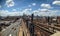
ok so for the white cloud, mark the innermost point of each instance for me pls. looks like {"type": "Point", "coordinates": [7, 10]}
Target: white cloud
{"type": "Point", "coordinates": [9, 3]}
{"type": "Point", "coordinates": [29, 5]}
{"type": "Point", "coordinates": [15, 13]}
{"type": "Point", "coordinates": [45, 5]}
{"type": "Point", "coordinates": [27, 11]}
{"type": "Point", "coordinates": [56, 2]}
{"type": "Point", "coordinates": [14, 10]}
{"type": "Point", "coordinates": [45, 12]}
{"type": "Point", "coordinates": [7, 13]}
{"type": "Point", "coordinates": [33, 4]}
{"type": "Point", "coordinates": [0, 6]}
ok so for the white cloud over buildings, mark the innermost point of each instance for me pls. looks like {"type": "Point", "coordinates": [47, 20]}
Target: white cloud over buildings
{"type": "Point", "coordinates": [15, 13]}
{"type": "Point", "coordinates": [27, 11]}
{"type": "Point", "coordinates": [45, 12]}
{"type": "Point", "coordinates": [7, 13]}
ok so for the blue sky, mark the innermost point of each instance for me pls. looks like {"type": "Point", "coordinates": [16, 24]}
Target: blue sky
{"type": "Point", "coordinates": [38, 7]}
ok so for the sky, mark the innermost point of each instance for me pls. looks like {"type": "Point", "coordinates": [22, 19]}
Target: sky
{"type": "Point", "coordinates": [28, 7]}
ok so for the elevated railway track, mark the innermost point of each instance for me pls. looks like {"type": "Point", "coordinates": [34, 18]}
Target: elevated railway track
{"type": "Point", "coordinates": [23, 27]}
{"type": "Point", "coordinates": [11, 30]}
{"type": "Point", "coordinates": [45, 29]}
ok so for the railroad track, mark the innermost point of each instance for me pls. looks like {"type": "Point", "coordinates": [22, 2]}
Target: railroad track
{"type": "Point", "coordinates": [12, 30]}
{"type": "Point", "coordinates": [49, 29]}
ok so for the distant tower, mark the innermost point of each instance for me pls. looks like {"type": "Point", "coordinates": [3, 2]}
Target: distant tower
{"type": "Point", "coordinates": [32, 26]}
{"type": "Point", "coordinates": [49, 20]}
{"type": "Point", "coordinates": [32, 17]}
{"type": "Point", "coordinates": [0, 17]}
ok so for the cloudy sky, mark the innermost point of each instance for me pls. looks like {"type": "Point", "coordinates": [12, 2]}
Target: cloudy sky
{"type": "Point", "coordinates": [38, 7]}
